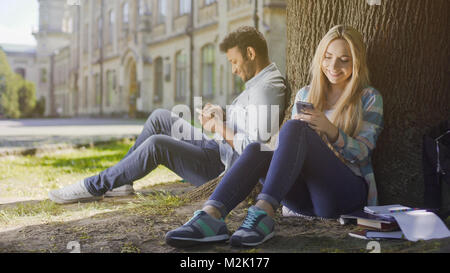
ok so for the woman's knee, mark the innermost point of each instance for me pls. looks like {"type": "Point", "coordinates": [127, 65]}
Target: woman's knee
{"type": "Point", "coordinates": [294, 124]}
{"type": "Point", "coordinates": [253, 148]}
{"type": "Point", "coordinates": [326, 212]}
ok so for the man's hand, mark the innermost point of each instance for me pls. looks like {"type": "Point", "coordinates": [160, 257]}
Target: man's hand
{"type": "Point", "coordinates": [211, 117]}
{"type": "Point", "coordinates": [211, 110]}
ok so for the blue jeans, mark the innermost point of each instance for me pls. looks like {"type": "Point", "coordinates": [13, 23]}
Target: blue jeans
{"type": "Point", "coordinates": [303, 174]}
{"type": "Point", "coordinates": [197, 160]}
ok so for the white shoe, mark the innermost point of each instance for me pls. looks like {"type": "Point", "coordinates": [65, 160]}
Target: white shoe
{"type": "Point", "coordinates": [124, 190]}
{"type": "Point", "coordinates": [72, 194]}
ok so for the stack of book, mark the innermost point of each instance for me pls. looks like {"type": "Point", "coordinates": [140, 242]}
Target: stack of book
{"type": "Point", "coordinates": [375, 223]}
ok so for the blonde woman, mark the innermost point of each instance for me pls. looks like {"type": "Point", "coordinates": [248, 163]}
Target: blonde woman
{"type": "Point", "coordinates": [322, 164]}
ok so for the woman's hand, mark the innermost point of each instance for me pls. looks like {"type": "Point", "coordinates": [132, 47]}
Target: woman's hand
{"type": "Point", "coordinates": [319, 122]}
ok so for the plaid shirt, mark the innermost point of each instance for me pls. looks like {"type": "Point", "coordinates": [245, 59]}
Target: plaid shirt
{"type": "Point", "coordinates": [358, 150]}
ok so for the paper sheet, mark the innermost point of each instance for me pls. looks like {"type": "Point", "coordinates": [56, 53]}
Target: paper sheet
{"type": "Point", "coordinates": [421, 225]}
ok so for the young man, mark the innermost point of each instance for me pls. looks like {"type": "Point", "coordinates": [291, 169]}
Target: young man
{"type": "Point", "coordinates": [192, 155]}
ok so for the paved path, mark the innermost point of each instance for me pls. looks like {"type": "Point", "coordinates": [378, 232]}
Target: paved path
{"type": "Point", "coordinates": [20, 135]}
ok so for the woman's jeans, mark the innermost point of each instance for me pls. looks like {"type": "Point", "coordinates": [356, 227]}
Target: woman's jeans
{"type": "Point", "coordinates": [194, 157]}
{"type": "Point", "coordinates": [303, 174]}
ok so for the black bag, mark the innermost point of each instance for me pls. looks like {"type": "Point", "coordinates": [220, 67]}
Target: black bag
{"type": "Point", "coordinates": [436, 168]}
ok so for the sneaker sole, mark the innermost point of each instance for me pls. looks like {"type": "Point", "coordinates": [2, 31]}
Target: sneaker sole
{"type": "Point", "coordinates": [118, 194]}
{"type": "Point", "coordinates": [80, 200]}
{"type": "Point", "coordinates": [238, 243]}
{"type": "Point", "coordinates": [188, 242]}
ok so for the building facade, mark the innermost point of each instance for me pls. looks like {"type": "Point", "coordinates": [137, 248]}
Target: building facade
{"type": "Point", "coordinates": [130, 57]}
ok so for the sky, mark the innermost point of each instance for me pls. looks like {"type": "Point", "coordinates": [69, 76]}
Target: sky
{"type": "Point", "coordinates": [18, 18]}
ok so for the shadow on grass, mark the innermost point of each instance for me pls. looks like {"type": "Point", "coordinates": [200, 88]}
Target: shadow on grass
{"type": "Point", "coordinates": [96, 159]}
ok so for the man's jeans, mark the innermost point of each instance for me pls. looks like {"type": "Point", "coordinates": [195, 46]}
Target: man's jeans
{"type": "Point", "coordinates": [303, 174]}
{"type": "Point", "coordinates": [193, 156]}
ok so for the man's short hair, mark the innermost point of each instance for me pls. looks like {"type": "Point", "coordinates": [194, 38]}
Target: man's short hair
{"type": "Point", "coordinates": [244, 37]}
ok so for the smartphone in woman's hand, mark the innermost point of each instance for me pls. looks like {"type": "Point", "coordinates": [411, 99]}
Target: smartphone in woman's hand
{"type": "Point", "coordinates": [301, 106]}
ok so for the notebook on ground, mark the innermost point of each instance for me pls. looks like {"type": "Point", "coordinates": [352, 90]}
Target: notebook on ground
{"type": "Point", "coordinates": [367, 220]}
{"type": "Point", "coordinates": [384, 210]}
{"type": "Point", "coordinates": [376, 235]}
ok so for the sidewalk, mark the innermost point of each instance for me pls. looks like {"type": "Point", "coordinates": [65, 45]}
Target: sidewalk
{"type": "Point", "coordinates": [28, 136]}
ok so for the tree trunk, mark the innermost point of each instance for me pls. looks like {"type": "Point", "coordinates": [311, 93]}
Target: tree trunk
{"type": "Point", "coordinates": [408, 56]}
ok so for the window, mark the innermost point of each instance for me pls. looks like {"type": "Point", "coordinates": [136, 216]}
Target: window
{"type": "Point", "coordinates": [86, 38]}
{"type": "Point", "coordinates": [158, 80]}
{"type": "Point", "coordinates": [86, 92]}
{"type": "Point", "coordinates": [181, 76]}
{"type": "Point", "coordinates": [97, 89]}
{"type": "Point", "coordinates": [162, 8]}
{"type": "Point", "coordinates": [21, 72]}
{"type": "Point", "coordinates": [99, 32]}
{"type": "Point", "coordinates": [208, 71]}
{"type": "Point", "coordinates": [125, 14]}
{"type": "Point", "coordinates": [43, 75]}
{"type": "Point", "coordinates": [209, 2]}
{"type": "Point", "coordinates": [111, 26]}
{"type": "Point", "coordinates": [184, 7]}
{"type": "Point", "coordinates": [110, 86]}
{"type": "Point", "coordinates": [143, 8]}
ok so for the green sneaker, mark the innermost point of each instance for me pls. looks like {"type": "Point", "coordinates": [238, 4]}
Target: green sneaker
{"type": "Point", "coordinates": [201, 228]}
{"type": "Point", "coordinates": [257, 228]}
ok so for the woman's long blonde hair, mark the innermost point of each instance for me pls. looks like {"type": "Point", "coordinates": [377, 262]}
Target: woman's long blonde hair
{"type": "Point", "coordinates": [348, 111]}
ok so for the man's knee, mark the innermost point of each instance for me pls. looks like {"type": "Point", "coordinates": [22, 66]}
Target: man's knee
{"type": "Point", "coordinates": [159, 114]}
{"type": "Point", "coordinates": [158, 142]}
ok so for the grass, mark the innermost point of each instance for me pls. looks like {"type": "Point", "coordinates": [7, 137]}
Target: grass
{"type": "Point", "coordinates": [149, 215]}
{"type": "Point", "coordinates": [26, 180]}
{"type": "Point", "coordinates": [30, 177]}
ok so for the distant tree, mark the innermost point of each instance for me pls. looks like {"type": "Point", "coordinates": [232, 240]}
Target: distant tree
{"type": "Point", "coordinates": [17, 96]}
{"type": "Point", "coordinates": [9, 102]}
{"type": "Point", "coordinates": [39, 109]}
{"type": "Point", "coordinates": [27, 98]}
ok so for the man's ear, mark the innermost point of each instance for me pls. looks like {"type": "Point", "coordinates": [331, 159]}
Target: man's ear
{"type": "Point", "coordinates": [251, 53]}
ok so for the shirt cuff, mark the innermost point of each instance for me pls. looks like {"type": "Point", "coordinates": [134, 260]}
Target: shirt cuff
{"type": "Point", "coordinates": [340, 141]}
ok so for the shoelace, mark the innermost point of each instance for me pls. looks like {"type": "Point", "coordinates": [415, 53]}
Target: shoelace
{"type": "Point", "coordinates": [250, 220]}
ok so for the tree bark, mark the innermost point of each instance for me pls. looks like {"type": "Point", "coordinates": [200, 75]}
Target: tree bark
{"type": "Point", "coordinates": [408, 54]}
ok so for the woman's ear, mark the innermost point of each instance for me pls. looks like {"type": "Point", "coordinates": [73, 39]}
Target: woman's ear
{"type": "Point", "coordinates": [251, 53]}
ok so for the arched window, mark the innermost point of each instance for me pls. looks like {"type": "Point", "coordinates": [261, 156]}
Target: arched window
{"type": "Point", "coordinates": [208, 71]}
{"type": "Point", "coordinates": [158, 80]}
